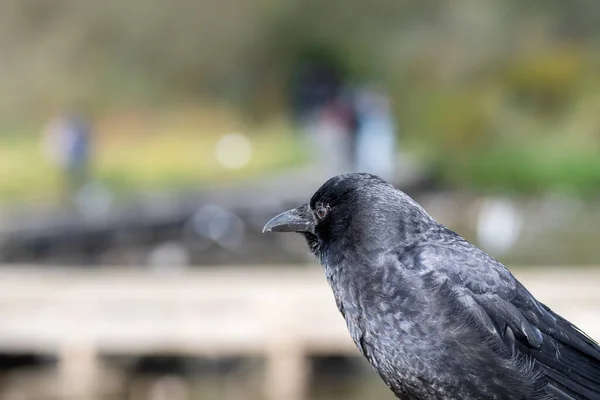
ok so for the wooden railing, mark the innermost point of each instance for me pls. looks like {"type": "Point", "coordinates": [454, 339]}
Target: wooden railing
{"type": "Point", "coordinates": [282, 313]}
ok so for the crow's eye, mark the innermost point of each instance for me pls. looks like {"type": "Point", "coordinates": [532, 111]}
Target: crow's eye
{"type": "Point", "coordinates": [322, 211]}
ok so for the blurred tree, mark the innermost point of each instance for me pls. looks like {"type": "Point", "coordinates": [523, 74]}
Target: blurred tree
{"type": "Point", "coordinates": [463, 75]}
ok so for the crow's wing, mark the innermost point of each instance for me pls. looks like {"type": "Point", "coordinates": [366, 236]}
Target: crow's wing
{"type": "Point", "coordinates": [500, 303]}
{"type": "Point", "coordinates": [570, 358]}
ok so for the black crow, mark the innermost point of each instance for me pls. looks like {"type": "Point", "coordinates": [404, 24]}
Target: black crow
{"type": "Point", "coordinates": [435, 316]}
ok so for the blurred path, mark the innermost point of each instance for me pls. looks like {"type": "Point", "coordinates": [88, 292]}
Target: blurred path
{"type": "Point", "coordinates": [30, 232]}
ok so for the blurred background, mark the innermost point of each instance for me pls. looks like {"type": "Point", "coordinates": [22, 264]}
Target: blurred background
{"type": "Point", "coordinates": [144, 144]}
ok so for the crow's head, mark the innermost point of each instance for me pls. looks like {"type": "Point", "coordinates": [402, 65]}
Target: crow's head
{"type": "Point", "coordinates": [358, 210]}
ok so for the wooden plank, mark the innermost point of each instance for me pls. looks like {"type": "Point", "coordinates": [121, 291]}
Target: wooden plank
{"type": "Point", "coordinates": [281, 313]}
{"type": "Point", "coordinates": [214, 311]}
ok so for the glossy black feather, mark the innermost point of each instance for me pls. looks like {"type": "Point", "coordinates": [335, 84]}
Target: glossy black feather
{"type": "Point", "coordinates": [435, 316]}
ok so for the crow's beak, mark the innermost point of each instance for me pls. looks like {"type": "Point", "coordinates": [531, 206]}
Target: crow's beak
{"type": "Point", "coordinates": [296, 220]}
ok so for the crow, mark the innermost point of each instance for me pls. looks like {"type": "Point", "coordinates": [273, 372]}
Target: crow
{"type": "Point", "coordinates": [435, 316]}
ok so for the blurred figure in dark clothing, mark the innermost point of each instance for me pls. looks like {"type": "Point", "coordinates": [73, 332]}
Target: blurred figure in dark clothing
{"type": "Point", "coordinates": [314, 85]}
{"type": "Point", "coordinates": [352, 127]}
{"type": "Point", "coordinates": [326, 114]}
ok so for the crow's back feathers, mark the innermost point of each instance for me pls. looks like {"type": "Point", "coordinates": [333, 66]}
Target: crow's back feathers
{"type": "Point", "coordinates": [500, 304]}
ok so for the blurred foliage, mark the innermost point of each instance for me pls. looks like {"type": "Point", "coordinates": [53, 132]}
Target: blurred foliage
{"type": "Point", "coordinates": [493, 94]}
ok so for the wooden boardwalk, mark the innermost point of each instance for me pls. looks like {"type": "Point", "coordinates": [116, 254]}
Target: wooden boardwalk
{"type": "Point", "coordinates": [284, 314]}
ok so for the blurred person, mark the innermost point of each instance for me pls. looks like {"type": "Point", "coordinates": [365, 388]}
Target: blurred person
{"type": "Point", "coordinates": [325, 113]}
{"type": "Point", "coordinates": [66, 142]}
{"type": "Point", "coordinates": [314, 85]}
{"type": "Point", "coordinates": [375, 148]}
{"type": "Point", "coordinates": [332, 134]}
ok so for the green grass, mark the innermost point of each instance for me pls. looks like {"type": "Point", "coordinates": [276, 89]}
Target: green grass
{"type": "Point", "coordinates": [139, 154]}
{"type": "Point", "coordinates": [526, 169]}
